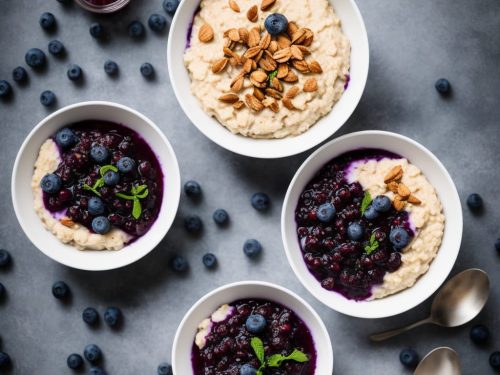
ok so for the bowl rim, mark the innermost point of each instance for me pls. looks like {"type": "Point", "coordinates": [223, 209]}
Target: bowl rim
{"type": "Point", "coordinates": [260, 148]}
{"type": "Point", "coordinates": [353, 308]}
{"type": "Point", "coordinates": [151, 244]}
{"type": "Point", "coordinates": [237, 284]}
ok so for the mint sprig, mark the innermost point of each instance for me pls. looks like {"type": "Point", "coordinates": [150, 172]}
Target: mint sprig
{"type": "Point", "coordinates": [138, 193]}
{"type": "Point", "coordinates": [273, 75]}
{"type": "Point", "coordinates": [100, 182]}
{"type": "Point", "coordinates": [276, 359]}
{"type": "Point", "coordinates": [372, 246]}
{"type": "Point", "coordinates": [365, 203]}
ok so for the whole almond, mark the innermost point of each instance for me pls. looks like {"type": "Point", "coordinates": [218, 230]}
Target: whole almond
{"type": "Point", "coordinates": [282, 71]}
{"type": "Point", "coordinates": [292, 92]}
{"type": "Point", "coordinates": [266, 4]}
{"type": "Point", "coordinates": [273, 93]}
{"type": "Point", "coordinates": [273, 47]}
{"type": "Point", "coordinates": [311, 85]}
{"type": "Point", "coordinates": [258, 94]}
{"type": "Point", "coordinates": [259, 76]}
{"type": "Point", "coordinates": [299, 36]}
{"type": "Point", "coordinates": [237, 84]}
{"type": "Point", "coordinates": [233, 62]}
{"type": "Point", "coordinates": [398, 203]}
{"type": "Point", "coordinates": [403, 191]}
{"type": "Point", "coordinates": [234, 55]}
{"type": "Point", "coordinates": [234, 6]}
{"type": "Point", "coordinates": [253, 14]}
{"type": "Point", "coordinates": [247, 66]}
{"type": "Point", "coordinates": [253, 103]}
{"type": "Point", "coordinates": [254, 37]}
{"type": "Point", "coordinates": [243, 34]}
{"type": "Point", "coordinates": [296, 53]}
{"type": "Point", "coordinates": [229, 98]}
{"type": "Point", "coordinates": [305, 51]}
{"type": "Point", "coordinates": [414, 200]}
{"type": "Point", "coordinates": [67, 222]}
{"type": "Point", "coordinates": [252, 52]}
{"type": "Point", "coordinates": [206, 33]}
{"type": "Point", "coordinates": [265, 41]}
{"type": "Point", "coordinates": [272, 104]}
{"type": "Point", "coordinates": [276, 84]}
{"type": "Point", "coordinates": [292, 28]}
{"type": "Point", "coordinates": [267, 62]}
{"type": "Point", "coordinates": [301, 65]}
{"type": "Point", "coordinates": [234, 35]}
{"type": "Point", "coordinates": [219, 65]}
{"type": "Point", "coordinates": [283, 41]}
{"type": "Point", "coordinates": [315, 67]}
{"type": "Point", "coordinates": [291, 77]}
{"type": "Point", "coordinates": [287, 102]}
{"type": "Point", "coordinates": [396, 173]}
{"type": "Point", "coordinates": [238, 105]}
{"type": "Point", "coordinates": [283, 55]}
{"type": "Point", "coordinates": [309, 38]}
{"type": "Point", "coordinates": [393, 186]}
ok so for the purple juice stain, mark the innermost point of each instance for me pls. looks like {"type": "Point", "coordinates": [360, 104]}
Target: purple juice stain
{"type": "Point", "coordinates": [190, 29]}
{"type": "Point", "coordinates": [347, 80]}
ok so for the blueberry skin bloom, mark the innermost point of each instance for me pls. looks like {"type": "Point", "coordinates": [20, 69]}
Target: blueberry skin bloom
{"type": "Point", "coordinates": [60, 290]}
{"type": "Point", "coordinates": [101, 225]}
{"type": "Point", "coordinates": [47, 98]}
{"type": "Point", "coordinates": [66, 138]}
{"type": "Point", "coordinates": [193, 224]}
{"type": "Point", "coordinates": [35, 58]}
{"type": "Point", "coordinates": [157, 23]}
{"type": "Point", "coordinates": [179, 264]}
{"type": "Point", "coordinates": [170, 6]}
{"type": "Point", "coordinates": [125, 164]}
{"type": "Point", "coordinates": [92, 353]}
{"type": "Point", "coordinates": [209, 260]}
{"type": "Point", "coordinates": [326, 212]}
{"type": "Point", "coordinates": [255, 323]}
{"type": "Point", "coordinates": [56, 48]}
{"type": "Point", "coordinates": [480, 334]}
{"type": "Point", "coordinates": [443, 86]}
{"type": "Point", "coordinates": [164, 369]}
{"type": "Point", "coordinates": [136, 29]}
{"type": "Point", "coordinates": [19, 74]}
{"type": "Point", "coordinates": [99, 153]}
{"type": "Point", "coordinates": [111, 178]}
{"type": "Point", "coordinates": [74, 72]}
{"type": "Point", "coordinates": [355, 231]}
{"type": "Point", "coordinates": [5, 89]}
{"type": "Point", "coordinates": [47, 21]}
{"type": "Point", "coordinates": [95, 206]}
{"type": "Point", "coordinates": [409, 358]}
{"type": "Point", "coordinates": [111, 68]}
{"type": "Point", "coordinates": [192, 189]}
{"type": "Point", "coordinates": [475, 202]}
{"type": "Point", "coordinates": [90, 316]}
{"type": "Point", "coordinates": [96, 30]}
{"type": "Point", "coordinates": [220, 216]}
{"type": "Point", "coordinates": [147, 70]}
{"type": "Point", "coordinates": [371, 213]}
{"type": "Point", "coordinates": [112, 316]}
{"type": "Point", "coordinates": [252, 248]}
{"type": "Point", "coordinates": [4, 258]}
{"type": "Point", "coordinates": [382, 203]}
{"type": "Point", "coordinates": [276, 24]}
{"type": "Point", "coordinates": [51, 183]}
{"type": "Point", "coordinates": [74, 361]}
{"type": "Point", "coordinates": [399, 238]}
{"type": "Point", "coordinates": [247, 369]}
{"type": "Point", "coordinates": [260, 201]}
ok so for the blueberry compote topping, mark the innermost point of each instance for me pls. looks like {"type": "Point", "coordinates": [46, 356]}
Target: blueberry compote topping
{"type": "Point", "coordinates": [97, 190]}
{"type": "Point", "coordinates": [349, 253]}
{"type": "Point", "coordinates": [228, 349]}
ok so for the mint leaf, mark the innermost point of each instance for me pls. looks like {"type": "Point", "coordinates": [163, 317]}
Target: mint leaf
{"type": "Point", "coordinates": [298, 356]}
{"type": "Point", "coordinates": [124, 196]}
{"type": "Point", "coordinates": [372, 246]}
{"type": "Point", "coordinates": [259, 372]}
{"type": "Point", "coordinates": [275, 360]}
{"type": "Point", "coordinates": [136, 209]}
{"type": "Point", "coordinates": [107, 168]}
{"type": "Point", "coordinates": [140, 189]}
{"type": "Point", "coordinates": [92, 189]}
{"type": "Point", "coordinates": [272, 75]}
{"type": "Point", "coordinates": [258, 348]}
{"type": "Point", "coordinates": [365, 203]}
{"type": "Point", "coordinates": [143, 195]}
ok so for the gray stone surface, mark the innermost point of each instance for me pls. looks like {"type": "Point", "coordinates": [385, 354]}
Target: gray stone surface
{"type": "Point", "coordinates": [412, 44]}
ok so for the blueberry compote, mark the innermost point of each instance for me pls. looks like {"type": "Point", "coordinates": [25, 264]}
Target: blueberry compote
{"type": "Point", "coordinates": [79, 172]}
{"type": "Point", "coordinates": [228, 345]}
{"type": "Point", "coordinates": [340, 259]}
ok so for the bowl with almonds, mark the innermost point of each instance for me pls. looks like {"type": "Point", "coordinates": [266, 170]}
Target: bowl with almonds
{"type": "Point", "coordinates": [372, 224]}
{"type": "Point", "coordinates": [268, 78]}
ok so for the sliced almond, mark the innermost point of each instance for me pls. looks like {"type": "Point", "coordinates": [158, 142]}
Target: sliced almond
{"type": "Point", "coordinates": [276, 84]}
{"type": "Point", "coordinates": [234, 35]}
{"type": "Point", "coordinates": [315, 67]}
{"type": "Point", "coordinates": [273, 93]}
{"type": "Point", "coordinates": [67, 222]}
{"type": "Point", "coordinates": [305, 51]}
{"type": "Point", "coordinates": [254, 37]}
{"type": "Point", "coordinates": [229, 98]}
{"type": "Point", "coordinates": [238, 105]}
{"type": "Point", "coordinates": [234, 55]}
{"type": "Point", "coordinates": [260, 85]}
{"type": "Point", "coordinates": [206, 33]}
{"type": "Point", "coordinates": [394, 174]}
{"type": "Point", "coordinates": [247, 66]}
{"type": "Point", "coordinates": [253, 14]}
{"type": "Point", "coordinates": [259, 76]}
{"type": "Point", "coordinates": [259, 56]}
{"type": "Point", "coordinates": [283, 55]}
{"type": "Point", "coordinates": [283, 41]}
{"type": "Point", "coordinates": [272, 104]}
{"type": "Point", "coordinates": [291, 77]}
{"type": "Point", "coordinates": [234, 6]}
{"type": "Point", "coordinates": [309, 38]}
{"type": "Point", "coordinates": [219, 65]}
{"type": "Point", "coordinates": [233, 62]}
{"type": "Point", "coordinates": [282, 71]}
{"type": "Point", "coordinates": [301, 65]}
{"type": "Point", "coordinates": [393, 186]}
{"type": "Point", "coordinates": [253, 103]}
{"type": "Point", "coordinates": [252, 52]}
{"type": "Point", "coordinates": [296, 53]}
{"type": "Point", "coordinates": [299, 36]}
{"type": "Point", "coordinates": [237, 84]}
{"type": "Point", "coordinates": [267, 62]}
{"type": "Point", "coordinates": [273, 47]}
{"type": "Point", "coordinates": [398, 203]}
{"type": "Point", "coordinates": [403, 191]}
{"type": "Point", "coordinates": [266, 4]}
{"type": "Point", "coordinates": [258, 93]}
{"type": "Point", "coordinates": [292, 28]}
{"type": "Point", "coordinates": [243, 34]}
{"type": "Point", "coordinates": [292, 92]}
{"type": "Point", "coordinates": [311, 85]}
{"type": "Point", "coordinates": [265, 41]}
{"type": "Point", "coordinates": [287, 102]}
{"type": "Point", "coordinates": [414, 200]}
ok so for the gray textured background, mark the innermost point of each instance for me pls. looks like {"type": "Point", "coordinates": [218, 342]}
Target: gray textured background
{"type": "Point", "coordinates": [412, 44]}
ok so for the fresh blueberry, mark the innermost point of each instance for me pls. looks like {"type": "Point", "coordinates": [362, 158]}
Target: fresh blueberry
{"type": "Point", "coordinates": [255, 323]}
{"type": "Point", "coordinates": [136, 29]}
{"type": "Point", "coordinates": [99, 153]}
{"type": "Point", "coordinates": [4, 360]}
{"type": "Point", "coordinates": [19, 74]}
{"type": "Point", "coordinates": [170, 6]}
{"type": "Point", "coordinates": [443, 86]}
{"type": "Point", "coordinates": [409, 358]}
{"type": "Point", "coordinates": [97, 371]}
{"type": "Point", "coordinates": [276, 23]}
{"type": "Point", "coordinates": [111, 178]}
{"type": "Point", "coordinates": [74, 72]}
{"type": "Point", "coordinates": [56, 47]}
{"type": "Point", "coordinates": [157, 22]}
{"type": "Point", "coordinates": [95, 206]}
{"type": "Point", "coordinates": [147, 70]}
{"type": "Point", "coordinates": [209, 260]}
{"type": "Point", "coordinates": [382, 203]}
{"type": "Point", "coordinates": [111, 68]}
{"type": "Point", "coordinates": [47, 21]}
{"type": "Point", "coordinates": [260, 201]}
{"type": "Point", "coordinates": [92, 353]}
{"type": "Point", "coordinates": [497, 244]}
{"type": "Point", "coordinates": [35, 58]}
{"type": "Point", "coordinates": [51, 183]}
{"type": "Point", "coordinates": [5, 89]}
{"type": "Point", "coordinates": [2, 290]}
{"type": "Point", "coordinates": [74, 361]}
{"type": "Point", "coordinates": [326, 212]}
{"type": "Point", "coordinates": [125, 164]}
{"type": "Point", "coordinates": [193, 224]}
{"type": "Point", "coordinates": [101, 225]}
{"type": "Point", "coordinates": [60, 290]}
{"type": "Point", "coordinates": [47, 98]}
{"type": "Point", "coordinates": [247, 369]}
{"type": "Point", "coordinates": [480, 334]}
{"type": "Point", "coordinates": [192, 189]}
{"type": "Point", "coordinates": [399, 238]}
{"type": "Point", "coordinates": [164, 369]}
{"type": "Point", "coordinates": [252, 248]}
{"type": "Point", "coordinates": [355, 231]}
{"type": "Point", "coordinates": [475, 202]}
{"type": "Point", "coordinates": [179, 264]}
{"type": "Point", "coordinates": [220, 216]}
{"type": "Point", "coordinates": [371, 213]}
{"type": "Point", "coordinates": [96, 30]}
{"type": "Point", "coordinates": [66, 138]}
{"type": "Point", "coordinates": [112, 316]}
{"type": "Point", "coordinates": [5, 258]}
{"type": "Point", "coordinates": [495, 360]}
{"type": "Point", "coordinates": [90, 316]}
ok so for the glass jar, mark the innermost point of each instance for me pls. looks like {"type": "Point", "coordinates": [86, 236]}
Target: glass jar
{"type": "Point", "coordinates": [102, 6]}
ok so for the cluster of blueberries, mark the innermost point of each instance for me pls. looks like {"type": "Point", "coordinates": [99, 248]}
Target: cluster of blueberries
{"type": "Point", "coordinates": [36, 59]}
{"type": "Point", "coordinates": [194, 225]}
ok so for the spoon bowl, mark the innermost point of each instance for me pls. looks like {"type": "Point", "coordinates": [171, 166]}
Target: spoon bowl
{"type": "Point", "coordinates": [440, 361]}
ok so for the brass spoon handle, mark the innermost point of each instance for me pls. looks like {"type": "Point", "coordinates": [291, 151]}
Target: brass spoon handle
{"type": "Point", "coordinates": [388, 334]}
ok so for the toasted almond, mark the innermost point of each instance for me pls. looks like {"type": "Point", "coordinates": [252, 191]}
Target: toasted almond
{"type": "Point", "coordinates": [282, 71]}
{"type": "Point", "coordinates": [299, 36]}
{"type": "Point", "coordinates": [265, 41]}
{"type": "Point", "coordinates": [243, 34]}
{"type": "Point", "coordinates": [398, 203]}
{"type": "Point", "coordinates": [305, 51]}
{"type": "Point", "coordinates": [301, 65]}
{"type": "Point", "coordinates": [260, 85]}
{"type": "Point", "coordinates": [393, 186]}
{"type": "Point", "coordinates": [414, 200]}
{"type": "Point", "coordinates": [292, 28]}
{"type": "Point", "coordinates": [259, 56]}
{"type": "Point", "coordinates": [254, 37]}
{"type": "Point", "coordinates": [272, 104]}
{"type": "Point", "coordinates": [258, 93]}
{"type": "Point", "coordinates": [273, 47]}
{"type": "Point", "coordinates": [291, 77]}
{"type": "Point", "coordinates": [309, 38]}
{"type": "Point", "coordinates": [259, 76]}
{"type": "Point", "coordinates": [266, 4]}
{"type": "Point", "coordinates": [283, 41]}
{"type": "Point", "coordinates": [283, 55]}
{"type": "Point", "coordinates": [234, 6]}
{"type": "Point", "coordinates": [296, 52]}
{"type": "Point", "coordinates": [403, 191]}
{"type": "Point", "coordinates": [234, 35]}
{"type": "Point", "coordinates": [267, 62]}
{"type": "Point", "coordinates": [67, 222]}
{"type": "Point", "coordinates": [206, 33]}
{"type": "Point", "coordinates": [287, 102]}
{"type": "Point", "coordinates": [253, 103]}
{"type": "Point", "coordinates": [233, 62]}
{"type": "Point", "coordinates": [315, 67]}
{"type": "Point", "coordinates": [253, 14]}
{"type": "Point", "coordinates": [252, 52]}
{"type": "Point", "coordinates": [234, 55]}
{"type": "Point", "coordinates": [292, 92]}
{"type": "Point", "coordinates": [394, 174]}
{"type": "Point", "coordinates": [219, 65]}
{"type": "Point", "coordinates": [273, 93]}
{"type": "Point", "coordinates": [238, 105]}
{"type": "Point", "coordinates": [276, 84]}
{"type": "Point", "coordinates": [229, 98]}
{"type": "Point", "coordinates": [247, 66]}
{"type": "Point", "coordinates": [237, 84]}
{"type": "Point", "coordinates": [229, 43]}
{"type": "Point", "coordinates": [311, 85]}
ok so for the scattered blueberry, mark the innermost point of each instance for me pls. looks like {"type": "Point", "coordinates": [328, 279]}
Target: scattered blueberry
{"type": "Point", "coordinates": [56, 47]}
{"type": "Point", "coordinates": [51, 183]}
{"type": "Point", "coordinates": [47, 21]}
{"type": "Point", "coordinates": [74, 361]}
{"type": "Point", "coordinates": [96, 30]}
{"type": "Point", "coordinates": [252, 248]}
{"type": "Point", "coordinates": [97, 371]}
{"type": "Point", "coordinates": [179, 264]}
{"type": "Point", "coordinates": [326, 212]}
{"type": "Point", "coordinates": [2, 290]}
{"type": "Point", "coordinates": [164, 369]}
{"type": "Point", "coordinates": [95, 206]}
{"type": "Point", "coordinates": [480, 334]}
{"type": "Point", "coordinates": [111, 178]}
{"type": "Point", "coordinates": [4, 360]}
{"type": "Point", "coordinates": [60, 290]}
{"type": "Point", "coordinates": [35, 58]}
{"type": "Point", "coordinates": [47, 98]}
{"type": "Point", "coordinates": [497, 244]}
{"type": "Point", "coordinates": [371, 213]}
{"type": "Point", "coordinates": [256, 323]}
{"type": "Point", "coordinates": [495, 360]}
{"type": "Point", "coordinates": [99, 153]}
{"type": "Point", "coordinates": [382, 203]}
{"type": "Point", "coordinates": [475, 202]}
{"type": "Point", "coordinates": [157, 22]}
{"type": "Point", "coordinates": [112, 316]}
{"type": "Point", "coordinates": [170, 6]}
{"type": "Point", "coordinates": [5, 89]}
{"type": "Point", "coordinates": [221, 216]}
{"type": "Point", "coordinates": [66, 138]}
{"type": "Point", "coordinates": [90, 316]}
{"type": "Point", "coordinates": [92, 353]}
{"type": "Point", "coordinates": [111, 68]}
{"type": "Point", "coordinates": [443, 86]}
{"type": "Point", "coordinates": [192, 189]}
{"type": "Point", "coordinates": [4, 258]}
{"type": "Point", "coordinates": [260, 201]}
{"type": "Point", "coordinates": [147, 70]}
{"type": "Point", "coordinates": [101, 225]}
{"type": "Point", "coordinates": [19, 74]}
{"type": "Point", "coordinates": [193, 224]}
{"type": "Point", "coordinates": [355, 231]}
{"type": "Point", "coordinates": [74, 72]}
{"type": "Point", "coordinates": [399, 238]}
{"type": "Point", "coordinates": [136, 29]}
{"type": "Point", "coordinates": [276, 23]}
{"type": "Point", "coordinates": [247, 369]}
{"type": "Point", "coordinates": [209, 260]}
{"type": "Point", "coordinates": [125, 164]}
{"type": "Point", "coordinates": [409, 358]}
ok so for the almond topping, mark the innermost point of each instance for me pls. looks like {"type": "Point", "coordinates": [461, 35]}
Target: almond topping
{"type": "Point", "coordinates": [283, 55]}
{"type": "Point", "coordinates": [272, 104]}
{"type": "Point", "coordinates": [299, 36]}
{"type": "Point", "coordinates": [253, 14]}
{"type": "Point", "coordinates": [301, 65]}
{"type": "Point", "coordinates": [309, 38]}
{"type": "Point", "coordinates": [273, 47]}
{"type": "Point", "coordinates": [282, 71]}
{"type": "Point", "coordinates": [398, 203]}
{"type": "Point", "coordinates": [296, 53]}
{"type": "Point", "coordinates": [237, 84]}
{"type": "Point", "coordinates": [403, 191]}
{"type": "Point", "coordinates": [414, 200]}
{"type": "Point", "coordinates": [234, 35]}
{"type": "Point", "coordinates": [305, 51]}
{"type": "Point", "coordinates": [259, 76]}
{"type": "Point", "coordinates": [287, 102]}
{"type": "Point", "coordinates": [229, 98]}
{"type": "Point", "coordinates": [292, 28]}
{"type": "Point", "coordinates": [393, 186]}
{"type": "Point", "coordinates": [266, 4]}
{"type": "Point", "coordinates": [254, 37]}
{"type": "Point", "coordinates": [230, 52]}
{"type": "Point", "coordinates": [253, 103]}
{"type": "Point", "coordinates": [292, 92]}
{"type": "Point", "coordinates": [243, 34]}
{"type": "Point", "coordinates": [311, 85]}
{"type": "Point", "coordinates": [283, 41]}
{"type": "Point", "coordinates": [219, 65]}
{"type": "Point", "coordinates": [67, 222]}
{"type": "Point", "coordinates": [276, 84]}
{"type": "Point", "coordinates": [206, 33]}
{"type": "Point", "coordinates": [252, 52]}
{"type": "Point", "coordinates": [291, 77]}
{"type": "Point", "coordinates": [265, 41]}
{"type": "Point", "coordinates": [234, 6]}
{"type": "Point", "coordinates": [396, 173]}
{"type": "Point", "coordinates": [238, 105]}
{"type": "Point", "coordinates": [274, 93]}
{"type": "Point", "coordinates": [258, 94]}
{"type": "Point", "coordinates": [315, 67]}
{"type": "Point", "coordinates": [247, 66]}
{"type": "Point", "coordinates": [267, 63]}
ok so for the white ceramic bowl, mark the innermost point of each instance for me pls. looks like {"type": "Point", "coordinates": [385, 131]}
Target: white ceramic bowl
{"type": "Point", "coordinates": [438, 177]}
{"type": "Point", "coordinates": [353, 26]}
{"type": "Point", "coordinates": [22, 195]}
{"type": "Point", "coordinates": [184, 338]}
